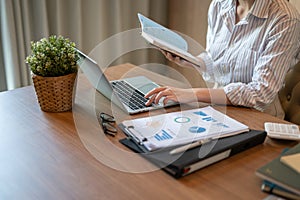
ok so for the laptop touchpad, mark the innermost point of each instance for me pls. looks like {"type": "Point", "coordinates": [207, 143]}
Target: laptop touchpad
{"type": "Point", "coordinates": [142, 83]}
{"type": "Point", "coordinates": [146, 88]}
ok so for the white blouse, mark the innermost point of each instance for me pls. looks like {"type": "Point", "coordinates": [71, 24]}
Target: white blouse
{"type": "Point", "coordinates": [251, 58]}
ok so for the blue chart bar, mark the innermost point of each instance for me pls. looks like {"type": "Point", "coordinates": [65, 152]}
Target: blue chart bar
{"type": "Point", "coordinates": [200, 113]}
{"type": "Point", "coordinates": [164, 136]}
{"type": "Point", "coordinates": [208, 119]}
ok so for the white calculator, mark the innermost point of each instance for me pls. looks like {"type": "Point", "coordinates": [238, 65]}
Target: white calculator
{"type": "Point", "coordinates": [282, 131]}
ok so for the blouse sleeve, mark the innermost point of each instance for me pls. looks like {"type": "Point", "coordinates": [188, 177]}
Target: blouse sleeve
{"type": "Point", "coordinates": [270, 69]}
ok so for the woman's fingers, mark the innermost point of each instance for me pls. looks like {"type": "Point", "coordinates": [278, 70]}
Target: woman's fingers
{"type": "Point", "coordinates": [167, 93]}
{"type": "Point", "coordinates": [170, 57]}
{"type": "Point", "coordinates": [156, 94]}
{"type": "Point", "coordinates": [150, 100]}
{"type": "Point", "coordinates": [165, 101]}
{"type": "Point", "coordinates": [178, 60]}
{"type": "Point", "coordinates": [154, 91]}
{"type": "Point", "coordinates": [163, 52]}
{"type": "Point", "coordinates": [152, 95]}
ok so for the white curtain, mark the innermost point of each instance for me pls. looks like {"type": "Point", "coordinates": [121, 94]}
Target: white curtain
{"type": "Point", "coordinates": [86, 22]}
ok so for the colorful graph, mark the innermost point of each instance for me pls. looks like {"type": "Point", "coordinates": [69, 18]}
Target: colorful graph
{"type": "Point", "coordinates": [197, 129]}
{"type": "Point", "coordinates": [163, 136]}
{"type": "Point", "coordinates": [200, 113]}
{"type": "Point", "coordinates": [209, 119]}
{"type": "Point", "coordinates": [182, 119]}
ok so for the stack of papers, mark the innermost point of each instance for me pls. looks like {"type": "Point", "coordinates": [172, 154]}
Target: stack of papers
{"type": "Point", "coordinates": [179, 128]}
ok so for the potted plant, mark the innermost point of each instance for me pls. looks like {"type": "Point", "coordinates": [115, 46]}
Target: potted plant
{"type": "Point", "coordinates": [53, 62]}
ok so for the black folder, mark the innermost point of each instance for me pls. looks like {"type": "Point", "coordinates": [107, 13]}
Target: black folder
{"type": "Point", "coordinates": [179, 165]}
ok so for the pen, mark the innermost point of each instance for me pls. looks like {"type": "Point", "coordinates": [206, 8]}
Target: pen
{"type": "Point", "coordinates": [190, 146]}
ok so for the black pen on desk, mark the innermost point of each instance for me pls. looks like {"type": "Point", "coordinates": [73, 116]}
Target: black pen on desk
{"type": "Point", "coordinates": [190, 146]}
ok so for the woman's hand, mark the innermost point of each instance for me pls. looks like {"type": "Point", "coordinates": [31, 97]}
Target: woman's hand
{"type": "Point", "coordinates": [176, 59]}
{"type": "Point", "coordinates": [170, 93]}
{"type": "Point", "coordinates": [204, 95]}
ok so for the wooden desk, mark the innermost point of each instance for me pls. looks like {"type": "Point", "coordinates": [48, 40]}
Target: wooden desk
{"type": "Point", "coordinates": [43, 156]}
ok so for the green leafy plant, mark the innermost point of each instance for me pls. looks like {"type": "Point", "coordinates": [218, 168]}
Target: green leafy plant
{"type": "Point", "coordinates": [53, 56]}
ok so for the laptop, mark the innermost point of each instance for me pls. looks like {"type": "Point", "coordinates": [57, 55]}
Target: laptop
{"type": "Point", "coordinates": [126, 93]}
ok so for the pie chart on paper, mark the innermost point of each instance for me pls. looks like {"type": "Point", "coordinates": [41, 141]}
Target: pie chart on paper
{"type": "Point", "coordinates": [182, 119]}
{"type": "Point", "coordinates": [197, 129]}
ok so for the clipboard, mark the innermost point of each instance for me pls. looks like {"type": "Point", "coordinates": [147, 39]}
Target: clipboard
{"type": "Point", "coordinates": [183, 127]}
{"type": "Point", "coordinates": [132, 142]}
{"type": "Point", "coordinates": [191, 160]}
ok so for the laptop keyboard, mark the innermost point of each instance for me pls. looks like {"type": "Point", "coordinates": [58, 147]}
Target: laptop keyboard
{"type": "Point", "coordinates": [129, 95]}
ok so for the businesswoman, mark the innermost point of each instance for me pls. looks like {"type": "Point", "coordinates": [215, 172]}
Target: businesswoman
{"type": "Point", "coordinates": [251, 44]}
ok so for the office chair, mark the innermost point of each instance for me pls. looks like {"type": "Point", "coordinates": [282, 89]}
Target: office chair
{"type": "Point", "coordinates": [289, 95]}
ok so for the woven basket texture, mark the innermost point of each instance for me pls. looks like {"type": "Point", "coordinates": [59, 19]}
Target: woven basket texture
{"type": "Point", "coordinates": [55, 94]}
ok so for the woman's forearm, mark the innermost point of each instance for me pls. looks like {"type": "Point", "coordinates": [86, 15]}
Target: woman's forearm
{"type": "Point", "coordinates": [207, 95]}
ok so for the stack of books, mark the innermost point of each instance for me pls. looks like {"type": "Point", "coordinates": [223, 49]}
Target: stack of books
{"type": "Point", "coordinates": [282, 175]}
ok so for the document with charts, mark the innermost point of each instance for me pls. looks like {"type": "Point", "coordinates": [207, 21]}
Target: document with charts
{"type": "Point", "coordinates": [178, 128]}
{"type": "Point", "coordinates": [166, 39]}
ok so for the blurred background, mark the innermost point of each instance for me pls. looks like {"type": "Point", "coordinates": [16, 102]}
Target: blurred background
{"type": "Point", "coordinates": [88, 23]}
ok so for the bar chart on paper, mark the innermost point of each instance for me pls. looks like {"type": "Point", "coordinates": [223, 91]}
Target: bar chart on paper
{"type": "Point", "coordinates": [163, 136]}
{"type": "Point", "coordinates": [178, 128]}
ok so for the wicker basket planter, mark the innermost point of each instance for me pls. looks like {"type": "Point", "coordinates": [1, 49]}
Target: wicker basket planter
{"type": "Point", "coordinates": [55, 94]}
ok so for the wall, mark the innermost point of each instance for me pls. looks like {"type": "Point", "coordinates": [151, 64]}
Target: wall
{"type": "Point", "coordinates": [190, 18]}
{"type": "Point", "coordinates": [296, 3]}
